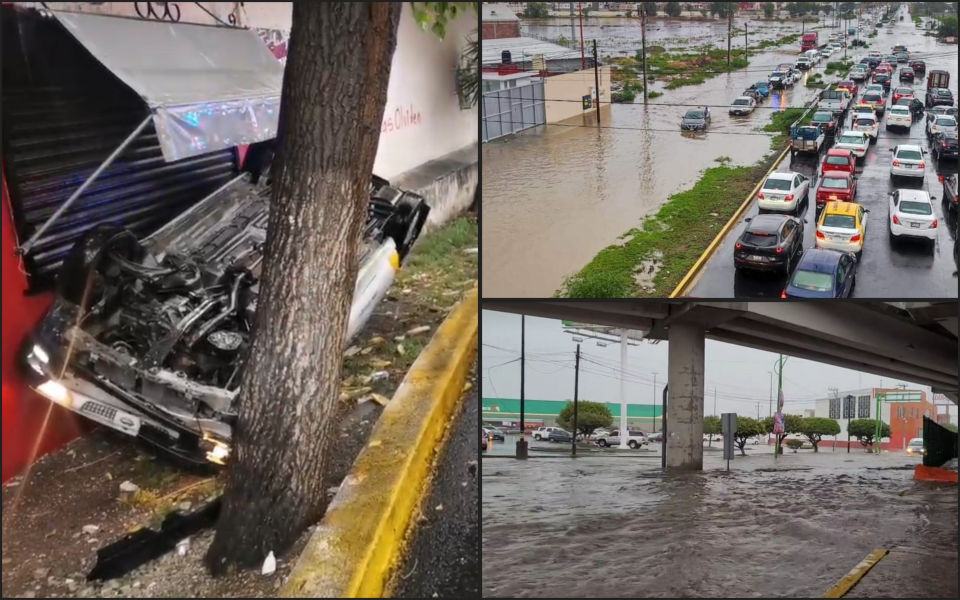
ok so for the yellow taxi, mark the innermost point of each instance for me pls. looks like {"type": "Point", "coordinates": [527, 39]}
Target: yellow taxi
{"type": "Point", "coordinates": [865, 108]}
{"type": "Point", "coordinates": [842, 226]}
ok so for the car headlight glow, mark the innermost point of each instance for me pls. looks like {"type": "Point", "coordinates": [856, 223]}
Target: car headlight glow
{"type": "Point", "coordinates": [55, 392]}
{"type": "Point", "coordinates": [217, 451]}
{"type": "Point", "coordinates": [41, 354]}
{"type": "Point", "coordinates": [395, 260]}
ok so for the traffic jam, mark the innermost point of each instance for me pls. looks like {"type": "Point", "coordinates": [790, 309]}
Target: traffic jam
{"type": "Point", "coordinates": [865, 201]}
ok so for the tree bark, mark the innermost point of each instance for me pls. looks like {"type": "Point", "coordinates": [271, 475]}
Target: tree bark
{"type": "Point", "coordinates": [334, 91]}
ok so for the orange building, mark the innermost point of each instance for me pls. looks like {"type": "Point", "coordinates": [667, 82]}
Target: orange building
{"type": "Point", "coordinates": [906, 421]}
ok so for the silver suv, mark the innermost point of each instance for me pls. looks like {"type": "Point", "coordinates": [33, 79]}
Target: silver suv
{"type": "Point", "coordinates": [635, 439]}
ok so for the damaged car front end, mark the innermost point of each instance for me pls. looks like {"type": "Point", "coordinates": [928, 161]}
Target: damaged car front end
{"type": "Point", "coordinates": [150, 336]}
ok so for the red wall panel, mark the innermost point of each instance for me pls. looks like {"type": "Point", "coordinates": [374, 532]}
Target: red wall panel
{"type": "Point", "coordinates": [32, 426]}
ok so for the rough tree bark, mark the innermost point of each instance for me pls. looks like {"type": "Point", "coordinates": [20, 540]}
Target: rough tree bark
{"type": "Point", "coordinates": [334, 91]}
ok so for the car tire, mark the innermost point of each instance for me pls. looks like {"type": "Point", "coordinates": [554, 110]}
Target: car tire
{"type": "Point", "coordinates": [632, 444]}
{"type": "Point", "coordinates": [602, 443]}
{"type": "Point", "coordinates": [537, 437]}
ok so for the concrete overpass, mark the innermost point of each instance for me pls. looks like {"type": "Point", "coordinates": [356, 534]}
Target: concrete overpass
{"type": "Point", "coordinates": [915, 341]}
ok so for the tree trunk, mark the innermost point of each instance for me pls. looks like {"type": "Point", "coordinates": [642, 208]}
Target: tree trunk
{"type": "Point", "coordinates": [334, 91]}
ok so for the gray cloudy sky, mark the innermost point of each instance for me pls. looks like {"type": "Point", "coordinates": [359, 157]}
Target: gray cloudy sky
{"type": "Point", "coordinates": [739, 374]}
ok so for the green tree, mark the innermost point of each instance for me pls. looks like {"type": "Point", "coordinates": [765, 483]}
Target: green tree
{"type": "Point", "coordinates": [814, 428]}
{"type": "Point", "coordinates": [536, 10]}
{"type": "Point", "coordinates": [795, 444]}
{"type": "Point", "coordinates": [768, 9]}
{"type": "Point", "coordinates": [865, 429]}
{"type": "Point", "coordinates": [434, 16]}
{"type": "Point", "coordinates": [747, 427]}
{"type": "Point", "coordinates": [590, 416]}
{"type": "Point", "coordinates": [712, 426]}
{"type": "Point", "coordinates": [673, 9]}
{"type": "Point", "coordinates": [947, 26]}
{"type": "Point", "coordinates": [724, 9]}
{"type": "Point", "coordinates": [650, 8]}
{"type": "Point", "coordinates": [791, 424]}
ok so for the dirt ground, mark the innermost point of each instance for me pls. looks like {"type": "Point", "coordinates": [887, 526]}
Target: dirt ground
{"type": "Point", "coordinates": [69, 504]}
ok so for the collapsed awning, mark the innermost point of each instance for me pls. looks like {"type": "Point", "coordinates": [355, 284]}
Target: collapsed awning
{"type": "Point", "coordinates": [208, 88]}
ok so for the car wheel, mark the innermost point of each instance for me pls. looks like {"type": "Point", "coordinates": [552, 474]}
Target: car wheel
{"type": "Point", "coordinates": [632, 444]}
{"type": "Point", "coordinates": [602, 443]}
{"type": "Point", "coordinates": [537, 437]}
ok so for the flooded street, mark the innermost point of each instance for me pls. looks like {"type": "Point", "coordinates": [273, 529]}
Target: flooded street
{"type": "Point", "coordinates": [613, 525]}
{"type": "Point", "coordinates": [554, 196]}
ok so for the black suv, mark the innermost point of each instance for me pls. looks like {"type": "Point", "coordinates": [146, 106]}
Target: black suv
{"type": "Point", "coordinates": [771, 242]}
{"type": "Point", "coordinates": [938, 97]}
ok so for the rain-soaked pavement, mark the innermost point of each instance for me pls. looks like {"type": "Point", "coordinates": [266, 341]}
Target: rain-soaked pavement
{"type": "Point", "coordinates": [612, 524]}
{"type": "Point", "coordinates": [886, 270]}
{"type": "Point", "coordinates": [554, 196]}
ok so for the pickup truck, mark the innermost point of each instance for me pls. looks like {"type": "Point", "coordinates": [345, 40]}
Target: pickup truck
{"type": "Point", "coordinates": [836, 101]}
{"type": "Point", "coordinates": [635, 439]}
{"type": "Point", "coordinates": [807, 139]}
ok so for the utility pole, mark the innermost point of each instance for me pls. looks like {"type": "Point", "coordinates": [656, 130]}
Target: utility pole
{"type": "Point", "coordinates": [746, 44]}
{"type": "Point", "coordinates": [848, 406]}
{"type": "Point", "coordinates": [715, 401]}
{"type": "Point", "coordinates": [655, 402]}
{"type": "Point", "coordinates": [729, 33]}
{"type": "Point", "coordinates": [643, 46]}
{"type": "Point", "coordinates": [522, 443]}
{"type": "Point", "coordinates": [576, 388]}
{"type": "Point", "coordinates": [596, 78]}
{"type": "Point", "coordinates": [583, 57]}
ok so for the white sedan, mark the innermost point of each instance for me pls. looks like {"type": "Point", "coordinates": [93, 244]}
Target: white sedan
{"type": "Point", "coordinates": [907, 162]}
{"type": "Point", "coordinates": [868, 124]}
{"type": "Point", "coordinates": [783, 191]}
{"type": "Point", "coordinates": [899, 116]}
{"type": "Point", "coordinates": [942, 123]}
{"type": "Point", "coordinates": [743, 105]}
{"type": "Point", "coordinates": [855, 141]}
{"type": "Point", "coordinates": [912, 215]}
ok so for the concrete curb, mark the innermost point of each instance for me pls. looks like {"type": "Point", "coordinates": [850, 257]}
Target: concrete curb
{"type": "Point", "coordinates": [856, 574]}
{"type": "Point", "coordinates": [358, 542]}
{"type": "Point", "coordinates": [688, 281]}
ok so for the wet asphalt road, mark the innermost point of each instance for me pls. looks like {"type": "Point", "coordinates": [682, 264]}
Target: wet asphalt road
{"type": "Point", "coordinates": [904, 269]}
{"type": "Point", "coordinates": [442, 559]}
{"type": "Point", "coordinates": [601, 527]}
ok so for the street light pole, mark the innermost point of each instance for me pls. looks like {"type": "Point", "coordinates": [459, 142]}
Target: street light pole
{"type": "Point", "coordinates": [623, 388]}
{"type": "Point", "coordinates": [576, 388]}
{"type": "Point", "coordinates": [848, 405]}
{"type": "Point", "coordinates": [522, 443]}
{"type": "Point", "coordinates": [654, 402]}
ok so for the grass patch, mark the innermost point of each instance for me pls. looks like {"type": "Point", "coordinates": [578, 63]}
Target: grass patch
{"type": "Point", "coordinates": [440, 263]}
{"type": "Point", "coordinates": [654, 94]}
{"type": "Point", "coordinates": [681, 68]}
{"type": "Point", "coordinates": [838, 66]}
{"type": "Point", "coordinates": [675, 237]}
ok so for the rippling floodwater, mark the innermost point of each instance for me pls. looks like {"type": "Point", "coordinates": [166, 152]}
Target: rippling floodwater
{"type": "Point", "coordinates": [605, 526]}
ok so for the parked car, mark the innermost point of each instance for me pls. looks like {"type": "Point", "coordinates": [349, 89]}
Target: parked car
{"type": "Point", "coordinates": [696, 119]}
{"type": "Point", "coordinates": [868, 124]}
{"type": "Point", "coordinates": [826, 121]}
{"type": "Point", "coordinates": [559, 435]}
{"type": "Point", "coordinates": [915, 446]}
{"type": "Point", "coordinates": [159, 327]}
{"type": "Point", "coordinates": [937, 97]}
{"type": "Point", "coordinates": [496, 433]}
{"type": "Point", "coordinates": [899, 116]}
{"type": "Point", "coordinates": [901, 92]}
{"type": "Point", "coordinates": [743, 105]}
{"type": "Point", "coordinates": [906, 74]}
{"type": "Point", "coordinates": [855, 141]}
{"type": "Point", "coordinates": [839, 159]}
{"type": "Point", "coordinates": [835, 185]}
{"type": "Point", "coordinates": [912, 215]}
{"type": "Point", "coordinates": [770, 242]}
{"type": "Point", "coordinates": [907, 162]}
{"type": "Point", "coordinates": [950, 192]}
{"type": "Point", "coordinates": [842, 226]}
{"type": "Point", "coordinates": [783, 192]}
{"type": "Point", "coordinates": [941, 124]}
{"type": "Point", "coordinates": [823, 274]}
{"type": "Point", "coordinates": [655, 438]}
{"type": "Point", "coordinates": [542, 433]}
{"type": "Point", "coordinates": [944, 145]}
{"type": "Point", "coordinates": [635, 439]}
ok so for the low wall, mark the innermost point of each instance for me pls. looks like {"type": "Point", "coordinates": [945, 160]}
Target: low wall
{"type": "Point", "coordinates": [449, 184]}
{"type": "Point", "coordinates": [564, 93]}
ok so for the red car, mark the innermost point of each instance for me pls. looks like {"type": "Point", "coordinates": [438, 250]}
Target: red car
{"type": "Point", "coordinates": [901, 92]}
{"type": "Point", "coordinates": [840, 160]}
{"type": "Point", "coordinates": [849, 85]}
{"type": "Point", "coordinates": [836, 186]}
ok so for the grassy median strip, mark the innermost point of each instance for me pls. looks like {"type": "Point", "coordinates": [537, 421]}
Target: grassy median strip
{"type": "Point", "coordinates": [652, 258]}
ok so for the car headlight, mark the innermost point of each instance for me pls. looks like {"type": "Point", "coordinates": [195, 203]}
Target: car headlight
{"type": "Point", "coordinates": [217, 451]}
{"type": "Point", "coordinates": [55, 392]}
{"type": "Point", "coordinates": [41, 354]}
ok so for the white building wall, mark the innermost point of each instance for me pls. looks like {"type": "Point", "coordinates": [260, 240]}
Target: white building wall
{"type": "Point", "coordinates": [422, 118]}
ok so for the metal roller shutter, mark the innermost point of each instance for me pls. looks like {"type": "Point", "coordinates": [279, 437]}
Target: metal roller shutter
{"type": "Point", "coordinates": [63, 114]}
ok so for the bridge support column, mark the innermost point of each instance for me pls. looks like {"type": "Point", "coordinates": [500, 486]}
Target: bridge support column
{"type": "Point", "coordinates": [685, 410]}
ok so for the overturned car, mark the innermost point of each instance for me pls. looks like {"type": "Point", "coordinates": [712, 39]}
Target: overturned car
{"type": "Point", "coordinates": [150, 336]}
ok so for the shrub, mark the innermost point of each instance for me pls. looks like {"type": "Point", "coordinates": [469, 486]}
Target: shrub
{"type": "Point", "coordinates": [794, 444]}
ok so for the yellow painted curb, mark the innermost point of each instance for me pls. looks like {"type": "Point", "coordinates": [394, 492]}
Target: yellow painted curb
{"type": "Point", "coordinates": [850, 579]}
{"type": "Point", "coordinates": [359, 540]}
{"type": "Point", "coordinates": [690, 278]}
